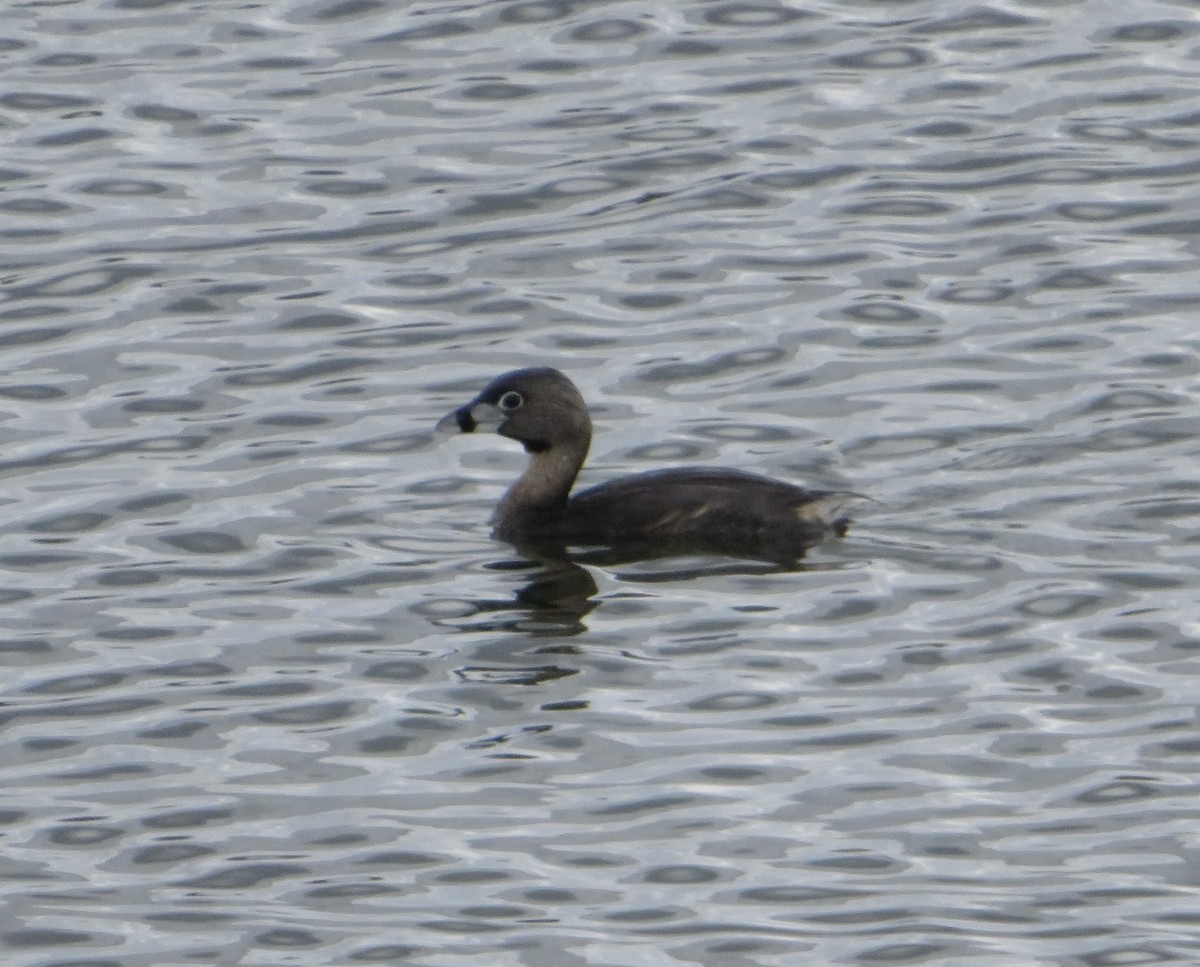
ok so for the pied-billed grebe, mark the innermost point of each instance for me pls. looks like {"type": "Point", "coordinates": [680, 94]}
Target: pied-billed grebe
{"type": "Point", "coordinates": [662, 511]}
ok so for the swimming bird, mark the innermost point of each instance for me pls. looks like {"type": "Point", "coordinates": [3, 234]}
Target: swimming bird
{"type": "Point", "coordinates": [660, 512]}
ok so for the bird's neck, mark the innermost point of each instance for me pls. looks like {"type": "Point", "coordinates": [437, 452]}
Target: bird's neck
{"type": "Point", "coordinates": [546, 483]}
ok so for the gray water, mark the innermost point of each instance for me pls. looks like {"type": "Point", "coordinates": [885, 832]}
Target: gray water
{"type": "Point", "coordinates": [272, 695]}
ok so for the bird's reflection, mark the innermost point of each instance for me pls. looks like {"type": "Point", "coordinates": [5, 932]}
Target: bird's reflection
{"type": "Point", "coordinates": [553, 595]}
{"type": "Point", "coordinates": [556, 584]}
{"type": "Point", "coordinates": [558, 588]}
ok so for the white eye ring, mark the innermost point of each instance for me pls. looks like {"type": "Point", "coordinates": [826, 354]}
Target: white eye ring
{"type": "Point", "coordinates": [510, 400]}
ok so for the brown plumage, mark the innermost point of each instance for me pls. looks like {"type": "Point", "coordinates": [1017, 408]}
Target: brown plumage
{"type": "Point", "coordinates": [682, 509]}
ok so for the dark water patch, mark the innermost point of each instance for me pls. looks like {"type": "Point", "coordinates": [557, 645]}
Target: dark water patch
{"type": "Point", "coordinates": [48, 937]}
{"type": "Point", "coordinates": [321, 320]}
{"type": "Point", "coordinates": [267, 690]}
{"type": "Point", "coordinates": [976, 293]}
{"type": "Point", "coordinates": [205, 542]}
{"type": "Point", "coordinates": [287, 939]}
{"type": "Point", "coordinates": [195, 669]}
{"type": "Point", "coordinates": [36, 206]}
{"type": "Point", "coordinates": [75, 683]}
{"type": "Point", "coordinates": [690, 48]}
{"type": "Point", "coordinates": [31, 337]}
{"type": "Point", "coordinates": [68, 59]}
{"type": "Point", "coordinates": [136, 633]}
{"type": "Point", "coordinates": [186, 818]}
{"type": "Point", "coordinates": [35, 561]}
{"type": "Point", "coordinates": [900, 208]}
{"type": "Point", "coordinates": [69, 523]}
{"type": "Point", "coordinates": [497, 91]}
{"type": "Point", "coordinates": [979, 19]}
{"type": "Point", "coordinates": [40, 101]}
{"type": "Point", "coordinates": [163, 406]}
{"type": "Point", "coordinates": [246, 876]}
{"type": "Point", "coordinates": [397, 670]}
{"type": "Point", "coordinates": [437, 30]}
{"type": "Point", "coordinates": [940, 129]}
{"type": "Point", "coordinates": [125, 187]}
{"type": "Point", "coordinates": [75, 137]}
{"type": "Point", "coordinates": [307, 715]}
{"type": "Point", "coordinates": [83, 835]}
{"type": "Point", "coordinates": [163, 112]}
{"type": "Point", "coordinates": [347, 9]}
{"type": "Point", "coordinates": [1153, 31]}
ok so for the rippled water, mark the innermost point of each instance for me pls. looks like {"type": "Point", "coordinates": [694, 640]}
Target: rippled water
{"type": "Point", "coordinates": [273, 696]}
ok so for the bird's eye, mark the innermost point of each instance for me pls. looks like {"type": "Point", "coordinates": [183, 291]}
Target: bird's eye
{"type": "Point", "coordinates": [511, 400]}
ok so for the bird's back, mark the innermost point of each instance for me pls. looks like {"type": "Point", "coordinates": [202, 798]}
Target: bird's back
{"type": "Point", "coordinates": [706, 509]}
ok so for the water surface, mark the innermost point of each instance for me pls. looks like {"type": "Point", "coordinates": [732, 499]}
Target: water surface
{"type": "Point", "coordinates": [273, 695]}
